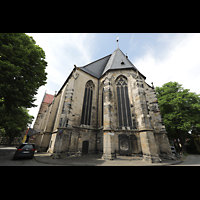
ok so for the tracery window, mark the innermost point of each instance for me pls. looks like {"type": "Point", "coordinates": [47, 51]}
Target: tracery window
{"type": "Point", "coordinates": [87, 103]}
{"type": "Point", "coordinates": [102, 107]}
{"type": "Point", "coordinates": [124, 110]}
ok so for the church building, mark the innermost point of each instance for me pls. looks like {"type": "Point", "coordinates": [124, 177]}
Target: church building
{"type": "Point", "coordinates": [107, 108]}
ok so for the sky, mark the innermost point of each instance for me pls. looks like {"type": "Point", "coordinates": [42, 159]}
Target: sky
{"type": "Point", "coordinates": [161, 57]}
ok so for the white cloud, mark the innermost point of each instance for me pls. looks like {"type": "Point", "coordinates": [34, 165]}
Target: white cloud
{"type": "Point", "coordinates": [179, 62]}
{"type": "Point", "coordinates": [62, 50]}
{"type": "Point", "coordinates": [174, 58]}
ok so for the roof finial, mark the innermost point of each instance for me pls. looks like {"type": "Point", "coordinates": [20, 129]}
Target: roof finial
{"type": "Point", "coordinates": [117, 42]}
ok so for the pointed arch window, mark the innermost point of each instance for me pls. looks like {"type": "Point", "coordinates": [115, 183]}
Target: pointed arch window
{"type": "Point", "coordinates": [87, 103]}
{"type": "Point", "coordinates": [102, 107]}
{"type": "Point", "coordinates": [124, 110]}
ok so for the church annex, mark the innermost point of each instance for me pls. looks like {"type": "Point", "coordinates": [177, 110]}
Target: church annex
{"type": "Point", "coordinates": [107, 108]}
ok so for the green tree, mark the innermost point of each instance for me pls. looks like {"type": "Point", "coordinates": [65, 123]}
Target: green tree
{"type": "Point", "coordinates": [14, 122]}
{"type": "Point", "coordinates": [22, 69]}
{"type": "Point", "coordinates": [22, 72]}
{"type": "Point", "coordinates": [180, 110]}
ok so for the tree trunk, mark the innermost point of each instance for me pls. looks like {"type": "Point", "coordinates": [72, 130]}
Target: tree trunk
{"type": "Point", "coordinates": [10, 140]}
{"type": "Point", "coordinates": [9, 134]}
{"type": "Point", "coordinates": [182, 140]}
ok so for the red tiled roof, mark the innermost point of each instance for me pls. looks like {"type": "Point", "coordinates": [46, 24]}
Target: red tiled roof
{"type": "Point", "coordinates": [48, 98]}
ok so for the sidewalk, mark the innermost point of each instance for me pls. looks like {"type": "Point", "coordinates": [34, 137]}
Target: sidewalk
{"type": "Point", "coordinates": [96, 160]}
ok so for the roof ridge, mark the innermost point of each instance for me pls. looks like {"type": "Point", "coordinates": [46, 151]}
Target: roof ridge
{"type": "Point", "coordinates": [127, 58]}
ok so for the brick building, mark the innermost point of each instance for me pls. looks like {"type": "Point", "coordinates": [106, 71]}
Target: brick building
{"type": "Point", "coordinates": [105, 107]}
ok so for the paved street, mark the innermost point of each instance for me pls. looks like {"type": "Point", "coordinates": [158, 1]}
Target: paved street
{"type": "Point", "coordinates": [6, 155]}
{"type": "Point", "coordinates": [191, 160]}
{"type": "Point", "coordinates": [44, 159]}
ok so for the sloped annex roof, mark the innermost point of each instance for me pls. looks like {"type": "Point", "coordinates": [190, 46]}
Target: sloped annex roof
{"type": "Point", "coordinates": [48, 98]}
{"type": "Point", "coordinates": [116, 60]}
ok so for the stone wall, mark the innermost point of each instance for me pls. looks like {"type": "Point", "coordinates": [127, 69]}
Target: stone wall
{"type": "Point", "coordinates": [16, 142]}
{"type": "Point", "coordinates": [64, 133]}
{"type": "Point", "coordinates": [149, 131]}
{"type": "Point", "coordinates": [70, 141]}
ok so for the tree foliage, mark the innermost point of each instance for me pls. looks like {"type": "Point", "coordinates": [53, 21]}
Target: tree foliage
{"type": "Point", "coordinates": [22, 72]}
{"type": "Point", "coordinates": [22, 69]}
{"type": "Point", "coordinates": [14, 122]}
{"type": "Point", "coordinates": [180, 110]}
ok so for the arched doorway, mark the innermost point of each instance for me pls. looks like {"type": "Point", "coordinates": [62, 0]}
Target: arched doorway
{"type": "Point", "coordinates": [85, 147]}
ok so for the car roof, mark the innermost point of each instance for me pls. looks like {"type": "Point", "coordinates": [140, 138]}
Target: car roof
{"type": "Point", "coordinates": [27, 143]}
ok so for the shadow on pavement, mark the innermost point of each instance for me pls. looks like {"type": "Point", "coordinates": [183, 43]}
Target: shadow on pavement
{"type": "Point", "coordinates": [86, 160]}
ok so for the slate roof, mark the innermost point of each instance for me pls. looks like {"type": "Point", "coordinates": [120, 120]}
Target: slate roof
{"type": "Point", "coordinates": [116, 60]}
{"type": "Point", "coordinates": [96, 68]}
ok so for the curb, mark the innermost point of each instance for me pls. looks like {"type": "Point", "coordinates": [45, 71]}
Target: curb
{"type": "Point", "coordinates": [175, 163]}
{"type": "Point", "coordinates": [181, 161]}
{"type": "Point", "coordinates": [86, 164]}
{"type": "Point", "coordinates": [72, 164]}
{"type": "Point", "coordinates": [48, 162]}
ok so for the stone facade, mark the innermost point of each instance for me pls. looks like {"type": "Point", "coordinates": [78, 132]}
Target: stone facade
{"type": "Point", "coordinates": [107, 108]}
